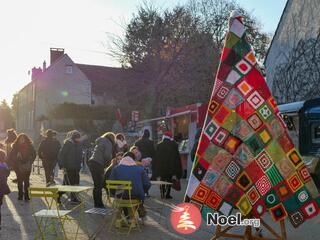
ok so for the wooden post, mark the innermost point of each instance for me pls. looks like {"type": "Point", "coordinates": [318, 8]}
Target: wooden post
{"type": "Point", "coordinates": [247, 235]}
{"type": "Point", "coordinates": [283, 230]}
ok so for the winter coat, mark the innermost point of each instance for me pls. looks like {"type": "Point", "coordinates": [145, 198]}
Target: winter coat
{"type": "Point", "coordinates": [135, 174]}
{"type": "Point", "coordinates": [8, 148]}
{"type": "Point", "coordinates": [103, 152]}
{"type": "Point", "coordinates": [20, 159]}
{"type": "Point", "coordinates": [167, 158]}
{"type": "Point", "coordinates": [48, 151]}
{"type": "Point", "coordinates": [146, 147]}
{"type": "Point", "coordinates": [195, 144]}
{"type": "Point", "coordinates": [70, 156]}
{"type": "Point", "coordinates": [4, 173]}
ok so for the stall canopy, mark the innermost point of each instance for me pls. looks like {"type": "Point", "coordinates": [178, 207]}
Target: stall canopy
{"type": "Point", "coordinates": [197, 111]}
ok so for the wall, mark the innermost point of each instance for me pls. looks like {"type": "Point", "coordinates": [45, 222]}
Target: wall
{"type": "Point", "coordinates": [25, 121]}
{"type": "Point", "coordinates": [54, 86]}
{"type": "Point", "coordinates": [300, 20]}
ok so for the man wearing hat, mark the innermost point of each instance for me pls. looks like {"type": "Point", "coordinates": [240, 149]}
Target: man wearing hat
{"type": "Point", "coordinates": [48, 152]}
{"type": "Point", "coordinates": [167, 164]}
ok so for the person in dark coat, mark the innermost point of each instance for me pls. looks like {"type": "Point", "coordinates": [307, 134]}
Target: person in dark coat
{"type": "Point", "coordinates": [145, 145]}
{"type": "Point", "coordinates": [48, 152]}
{"type": "Point", "coordinates": [11, 137]}
{"type": "Point", "coordinates": [70, 159]}
{"type": "Point", "coordinates": [21, 158]}
{"type": "Point", "coordinates": [128, 170]}
{"type": "Point", "coordinates": [103, 153]}
{"type": "Point", "coordinates": [168, 163]}
{"type": "Point", "coordinates": [4, 173]}
{"type": "Point", "coordinates": [195, 144]}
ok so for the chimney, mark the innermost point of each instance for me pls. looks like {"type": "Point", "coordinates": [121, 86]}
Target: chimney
{"type": "Point", "coordinates": [35, 72]}
{"type": "Point", "coordinates": [55, 53]}
{"type": "Point", "coordinates": [44, 66]}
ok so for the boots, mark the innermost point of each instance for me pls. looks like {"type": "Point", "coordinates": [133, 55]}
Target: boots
{"type": "Point", "coordinates": [168, 190]}
{"type": "Point", "coordinates": [26, 197]}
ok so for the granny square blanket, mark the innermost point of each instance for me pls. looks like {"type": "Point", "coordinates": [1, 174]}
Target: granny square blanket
{"type": "Point", "coordinates": [245, 157]}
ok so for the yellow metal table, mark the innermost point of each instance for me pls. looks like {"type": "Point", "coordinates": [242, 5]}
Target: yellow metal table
{"type": "Point", "coordinates": [81, 205]}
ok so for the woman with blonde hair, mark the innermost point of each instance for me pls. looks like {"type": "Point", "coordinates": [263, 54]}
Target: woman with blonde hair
{"type": "Point", "coordinates": [104, 151]}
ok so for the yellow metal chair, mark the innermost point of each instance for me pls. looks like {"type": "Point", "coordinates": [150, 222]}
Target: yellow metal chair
{"type": "Point", "coordinates": [123, 200]}
{"type": "Point", "coordinates": [44, 218]}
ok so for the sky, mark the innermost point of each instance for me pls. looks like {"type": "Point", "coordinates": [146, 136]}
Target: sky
{"type": "Point", "coordinates": [81, 27]}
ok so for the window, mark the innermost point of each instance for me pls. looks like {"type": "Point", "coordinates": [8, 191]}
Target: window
{"type": "Point", "coordinates": [315, 133]}
{"type": "Point", "coordinates": [69, 69]}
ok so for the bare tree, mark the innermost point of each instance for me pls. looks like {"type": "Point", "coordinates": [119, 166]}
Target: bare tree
{"type": "Point", "coordinates": [214, 16]}
{"type": "Point", "coordinates": [299, 78]}
{"type": "Point", "coordinates": [176, 52]}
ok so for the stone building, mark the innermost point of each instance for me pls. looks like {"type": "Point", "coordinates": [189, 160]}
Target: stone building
{"type": "Point", "coordinates": [298, 28]}
{"type": "Point", "coordinates": [63, 82]}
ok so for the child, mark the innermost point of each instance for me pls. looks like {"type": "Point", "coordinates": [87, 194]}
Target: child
{"type": "Point", "coordinates": [4, 173]}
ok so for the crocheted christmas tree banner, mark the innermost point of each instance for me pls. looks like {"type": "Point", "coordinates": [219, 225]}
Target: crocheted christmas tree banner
{"type": "Point", "coordinates": [245, 157]}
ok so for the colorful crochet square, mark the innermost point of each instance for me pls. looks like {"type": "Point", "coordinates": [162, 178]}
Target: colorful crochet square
{"type": "Point", "coordinates": [246, 159]}
{"type": "Point", "coordinates": [253, 195]}
{"type": "Point", "coordinates": [278, 212]}
{"type": "Point", "coordinates": [213, 200]}
{"type": "Point", "coordinates": [259, 208]}
{"type": "Point", "coordinates": [232, 170]}
{"type": "Point", "coordinates": [296, 218]}
{"type": "Point", "coordinates": [244, 181]}
{"type": "Point", "coordinates": [201, 194]}
{"type": "Point", "coordinates": [244, 205]}
{"type": "Point", "coordinates": [220, 137]}
{"type": "Point", "coordinates": [234, 194]}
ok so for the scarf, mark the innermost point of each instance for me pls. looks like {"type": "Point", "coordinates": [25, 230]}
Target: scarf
{"type": "Point", "coordinates": [127, 161]}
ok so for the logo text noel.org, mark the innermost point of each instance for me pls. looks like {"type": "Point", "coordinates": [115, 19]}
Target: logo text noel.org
{"type": "Point", "coordinates": [232, 220]}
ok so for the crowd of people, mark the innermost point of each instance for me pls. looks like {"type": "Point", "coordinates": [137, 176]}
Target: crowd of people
{"type": "Point", "coordinates": [112, 158]}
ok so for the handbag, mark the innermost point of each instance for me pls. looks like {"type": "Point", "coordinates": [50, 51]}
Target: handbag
{"type": "Point", "coordinates": [176, 185]}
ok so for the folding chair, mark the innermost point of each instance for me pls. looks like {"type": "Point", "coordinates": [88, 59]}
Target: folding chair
{"type": "Point", "coordinates": [123, 200]}
{"type": "Point", "coordinates": [45, 218]}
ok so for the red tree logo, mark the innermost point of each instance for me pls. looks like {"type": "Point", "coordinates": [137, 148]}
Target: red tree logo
{"type": "Point", "coordinates": [185, 218]}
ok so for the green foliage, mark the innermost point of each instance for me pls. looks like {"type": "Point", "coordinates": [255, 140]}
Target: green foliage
{"type": "Point", "coordinates": [85, 112]}
{"type": "Point", "coordinates": [6, 115]}
{"type": "Point", "coordinates": [14, 104]}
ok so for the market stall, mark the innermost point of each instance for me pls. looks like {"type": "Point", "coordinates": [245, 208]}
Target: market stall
{"type": "Point", "coordinates": [183, 122]}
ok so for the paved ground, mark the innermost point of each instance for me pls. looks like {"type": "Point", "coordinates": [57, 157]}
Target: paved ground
{"type": "Point", "coordinates": [19, 224]}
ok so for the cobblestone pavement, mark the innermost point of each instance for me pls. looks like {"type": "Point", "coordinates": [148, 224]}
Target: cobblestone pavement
{"type": "Point", "coordinates": [17, 222]}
